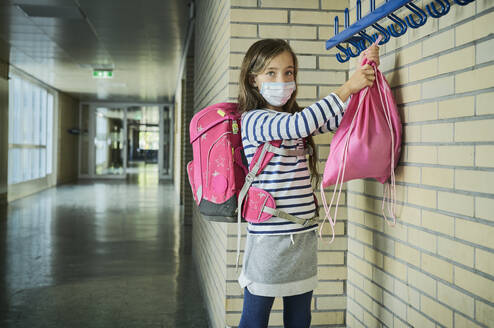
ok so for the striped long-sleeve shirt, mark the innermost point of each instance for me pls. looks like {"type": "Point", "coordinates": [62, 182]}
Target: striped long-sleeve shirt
{"type": "Point", "coordinates": [287, 178]}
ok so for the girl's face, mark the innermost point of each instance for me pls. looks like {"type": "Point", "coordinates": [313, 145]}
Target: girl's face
{"type": "Point", "coordinates": [279, 69]}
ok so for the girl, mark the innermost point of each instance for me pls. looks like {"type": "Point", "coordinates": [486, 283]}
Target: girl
{"type": "Point", "coordinates": [280, 258]}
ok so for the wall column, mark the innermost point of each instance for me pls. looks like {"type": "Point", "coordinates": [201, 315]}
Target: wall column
{"type": "Point", "coordinates": [4, 131]}
{"type": "Point", "coordinates": [187, 113]}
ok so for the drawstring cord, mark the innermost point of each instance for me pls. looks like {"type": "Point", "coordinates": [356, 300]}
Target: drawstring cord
{"type": "Point", "coordinates": [389, 192]}
{"type": "Point", "coordinates": [341, 173]}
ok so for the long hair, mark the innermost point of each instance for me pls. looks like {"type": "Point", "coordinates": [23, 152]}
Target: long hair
{"type": "Point", "coordinates": [255, 62]}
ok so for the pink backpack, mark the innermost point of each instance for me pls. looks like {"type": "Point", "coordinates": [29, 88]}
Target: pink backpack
{"type": "Point", "coordinates": [217, 172]}
{"type": "Point", "coordinates": [218, 176]}
{"type": "Point", "coordinates": [367, 144]}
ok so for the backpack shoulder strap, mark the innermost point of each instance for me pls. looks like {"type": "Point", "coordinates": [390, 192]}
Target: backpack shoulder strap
{"type": "Point", "coordinates": [262, 156]}
{"type": "Point", "coordinates": [290, 152]}
{"type": "Point", "coordinates": [265, 153]}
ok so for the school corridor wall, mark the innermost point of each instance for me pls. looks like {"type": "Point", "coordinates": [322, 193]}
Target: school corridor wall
{"type": "Point", "coordinates": [434, 268]}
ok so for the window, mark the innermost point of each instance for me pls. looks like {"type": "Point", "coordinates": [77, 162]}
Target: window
{"type": "Point", "coordinates": [30, 131]}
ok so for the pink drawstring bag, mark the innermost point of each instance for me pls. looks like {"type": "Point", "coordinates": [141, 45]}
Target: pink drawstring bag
{"type": "Point", "coordinates": [367, 144]}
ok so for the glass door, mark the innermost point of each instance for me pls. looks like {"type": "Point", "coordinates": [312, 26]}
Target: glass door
{"type": "Point", "coordinates": [166, 142]}
{"type": "Point", "coordinates": [121, 139]}
{"type": "Point", "coordinates": [109, 142]}
{"type": "Point", "coordinates": [143, 142]}
{"type": "Point", "coordinates": [84, 140]}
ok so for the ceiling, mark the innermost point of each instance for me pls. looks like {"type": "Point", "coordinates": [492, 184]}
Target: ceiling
{"type": "Point", "coordinates": [60, 42]}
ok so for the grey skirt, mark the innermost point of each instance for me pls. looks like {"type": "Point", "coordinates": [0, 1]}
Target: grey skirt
{"type": "Point", "coordinates": [280, 265]}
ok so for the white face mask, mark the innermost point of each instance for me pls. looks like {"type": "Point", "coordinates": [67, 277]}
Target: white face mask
{"type": "Point", "coordinates": [277, 93]}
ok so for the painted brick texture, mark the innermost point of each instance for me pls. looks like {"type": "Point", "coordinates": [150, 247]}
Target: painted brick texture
{"type": "Point", "coordinates": [434, 268]}
{"type": "Point", "coordinates": [211, 56]}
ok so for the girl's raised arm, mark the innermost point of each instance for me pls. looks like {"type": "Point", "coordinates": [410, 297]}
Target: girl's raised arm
{"type": "Point", "coordinates": [264, 125]}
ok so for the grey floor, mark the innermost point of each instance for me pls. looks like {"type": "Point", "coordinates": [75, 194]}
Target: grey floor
{"type": "Point", "coordinates": [98, 254]}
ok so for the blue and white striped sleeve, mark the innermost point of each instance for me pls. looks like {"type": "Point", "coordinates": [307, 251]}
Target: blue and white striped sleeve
{"type": "Point", "coordinates": [263, 125]}
{"type": "Point", "coordinates": [333, 122]}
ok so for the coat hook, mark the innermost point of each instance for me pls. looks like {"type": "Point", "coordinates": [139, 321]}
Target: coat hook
{"type": "Point", "coordinates": [345, 52]}
{"type": "Point", "coordinates": [417, 11]}
{"type": "Point", "coordinates": [347, 18]}
{"type": "Point", "coordinates": [365, 36]}
{"type": "Point", "coordinates": [384, 32]}
{"type": "Point", "coordinates": [359, 10]}
{"type": "Point", "coordinates": [357, 45]}
{"type": "Point", "coordinates": [341, 48]}
{"type": "Point", "coordinates": [463, 2]}
{"type": "Point", "coordinates": [431, 8]}
{"type": "Point", "coordinates": [336, 25]}
{"type": "Point", "coordinates": [379, 28]}
{"type": "Point", "coordinates": [401, 24]}
{"type": "Point", "coordinates": [354, 43]}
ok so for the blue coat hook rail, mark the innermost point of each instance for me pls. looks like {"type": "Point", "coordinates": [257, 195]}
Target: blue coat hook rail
{"type": "Point", "coordinates": [358, 39]}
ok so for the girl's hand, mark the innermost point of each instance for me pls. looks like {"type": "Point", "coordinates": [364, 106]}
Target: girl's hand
{"type": "Point", "coordinates": [372, 54]}
{"type": "Point", "coordinates": [363, 76]}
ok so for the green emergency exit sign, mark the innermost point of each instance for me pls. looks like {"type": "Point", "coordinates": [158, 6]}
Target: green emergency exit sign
{"type": "Point", "coordinates": [102, 74]}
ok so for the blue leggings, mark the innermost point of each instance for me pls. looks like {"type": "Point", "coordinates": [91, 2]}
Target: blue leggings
{"type": "Point", "coordinates": [296, 311]}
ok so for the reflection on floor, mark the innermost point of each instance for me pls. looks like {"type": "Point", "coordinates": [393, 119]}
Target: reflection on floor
{"type": "Point", "coordinates": [96, 254]}
{"type": "Point", "coordinates": [141, 167]}
{"type": "Point", "coordinates": [149, 169]}
{"type": "Point", "coordinates": [143, 174]}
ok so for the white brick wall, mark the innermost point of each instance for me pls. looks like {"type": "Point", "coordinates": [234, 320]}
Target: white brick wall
{"type": "Point", "coordinates": [434, 269]}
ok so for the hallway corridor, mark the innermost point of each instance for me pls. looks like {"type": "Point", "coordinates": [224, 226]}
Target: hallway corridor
{"type": "Point", "coordinates": [98, 254]}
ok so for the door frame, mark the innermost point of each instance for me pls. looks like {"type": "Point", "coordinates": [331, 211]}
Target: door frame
{"type": "Point", "coordinates": [92, 105]}
{"type": "Point", "coordinates": [162, 174]}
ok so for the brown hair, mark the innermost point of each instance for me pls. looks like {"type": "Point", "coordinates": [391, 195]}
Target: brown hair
{"type": "Point", "coordinates": [255, 62]}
